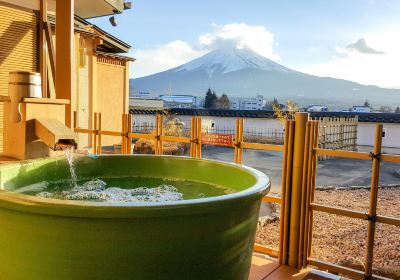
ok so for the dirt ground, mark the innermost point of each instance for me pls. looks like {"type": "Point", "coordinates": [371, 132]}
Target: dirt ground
{"type": "Point", "coordinates": [342, 240]}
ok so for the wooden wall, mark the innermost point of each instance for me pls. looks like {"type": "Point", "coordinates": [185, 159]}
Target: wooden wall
{"type": "Point", "coordinates": [112, 95]}
{"type": "Point", "coordinates": [18, 47]}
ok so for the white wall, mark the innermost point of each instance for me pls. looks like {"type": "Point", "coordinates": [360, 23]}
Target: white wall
{"type": "Point", "coordinates": [366, 132]}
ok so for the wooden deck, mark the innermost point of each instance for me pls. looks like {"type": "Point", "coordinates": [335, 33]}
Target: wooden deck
{"type": "Point", "coordinates": [266, 269]}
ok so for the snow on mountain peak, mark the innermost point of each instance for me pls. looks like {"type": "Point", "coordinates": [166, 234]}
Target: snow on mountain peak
{"type": "Point", "coordinates": [230, 60]}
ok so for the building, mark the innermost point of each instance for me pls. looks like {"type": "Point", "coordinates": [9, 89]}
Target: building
{"type": "Point", "coordinates": [149, 103]}
{"type": "Point", "coordinates": [317, 108]}
{"type": "Point", "coordinates": [100, 72]}
{"type": "Point", "coordinates": [179, 101]}
{"type": "Point", "coordinates": [240, 103]}
{"type": "Point", "coordinates": [360, 109]}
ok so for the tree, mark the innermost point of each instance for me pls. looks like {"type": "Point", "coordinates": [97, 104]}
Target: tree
{"type": "Point", "coordinates": [366, 104]}
{"type": "Point", "coordinates": [385, 109]}
{"type": "Point", "coordinates": [397, 111]}
{"type": "Point", "coordinates": [289, 114]}
{"type": "Point", "coordinates": [211, 99]}
{"type": "Point", "coordinates": [271, 104]}
{"type": "Point", "coordinates": [223, 102]}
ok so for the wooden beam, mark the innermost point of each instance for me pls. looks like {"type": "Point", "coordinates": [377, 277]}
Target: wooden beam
{"type": "Point", "coordinates": [65, 54]}
{"type": "Point", "coordinates": [43, 46]}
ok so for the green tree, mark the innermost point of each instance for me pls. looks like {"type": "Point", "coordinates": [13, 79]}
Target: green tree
{"type": "Point", "coordinates": [366, 104]}
{"type": "Point", "coordinates": [223, 102]}
{"type": "Point", "coordinates": [397, 111]}
{"type": "Point", "coordinates": [211, 99]}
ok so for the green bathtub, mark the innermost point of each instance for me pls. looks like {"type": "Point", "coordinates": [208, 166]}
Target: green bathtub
{"type": "Point", "coordinates": [206, 238]}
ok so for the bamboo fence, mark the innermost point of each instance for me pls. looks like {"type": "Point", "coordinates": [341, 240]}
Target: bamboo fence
{"type": "Point", "coordinates": [301, 150]}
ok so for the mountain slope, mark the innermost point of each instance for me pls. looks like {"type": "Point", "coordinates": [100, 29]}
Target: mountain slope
{"type": "Point", "coordinates": [245, 73]}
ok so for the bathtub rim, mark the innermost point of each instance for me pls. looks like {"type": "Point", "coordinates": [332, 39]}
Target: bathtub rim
{"type": "Point", "coordinates": [72, 208]}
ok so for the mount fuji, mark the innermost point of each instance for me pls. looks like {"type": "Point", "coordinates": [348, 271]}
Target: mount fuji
{"type": "Point", "coordinates": [244, 73]}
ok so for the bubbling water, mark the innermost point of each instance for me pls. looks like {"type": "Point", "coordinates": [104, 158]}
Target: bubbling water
{"type": "Point", "coordinates": [96, 190]}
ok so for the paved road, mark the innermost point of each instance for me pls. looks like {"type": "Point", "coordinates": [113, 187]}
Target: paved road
{"type": "Point", "coordinates": [331, 172]}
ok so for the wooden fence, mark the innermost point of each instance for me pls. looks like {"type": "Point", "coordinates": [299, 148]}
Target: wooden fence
{"type": "Point", "coordinates": [300, 150]}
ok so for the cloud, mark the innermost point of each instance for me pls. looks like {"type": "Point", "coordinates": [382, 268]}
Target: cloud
{"type": "Point", "coordinates": [358, 63]}
{"type": "Point", "coordinates": [163, 57]}
{"type": "Point", "coordinates": [362, 47]}
{"type": "Point", "coordinates": [175, 53]}
{"type": "Point", "coordinates": [240, 35]}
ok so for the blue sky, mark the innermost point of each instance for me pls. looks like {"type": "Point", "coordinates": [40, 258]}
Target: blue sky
{"type": "Point", "coordinates": [310, 36]}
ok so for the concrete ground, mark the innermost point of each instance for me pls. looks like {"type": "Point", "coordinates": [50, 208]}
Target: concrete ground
{"type": "Point", "coordinates": [331, 172]}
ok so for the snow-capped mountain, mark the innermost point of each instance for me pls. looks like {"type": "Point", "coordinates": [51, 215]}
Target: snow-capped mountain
{"type": "Point", "coordinates": [244, 73]}
{"type": "Point", "coordinates": [231, 60]}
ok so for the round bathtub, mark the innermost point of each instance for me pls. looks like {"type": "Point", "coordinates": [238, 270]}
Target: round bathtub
{"type": "Point", "coordinates": [206, 238]}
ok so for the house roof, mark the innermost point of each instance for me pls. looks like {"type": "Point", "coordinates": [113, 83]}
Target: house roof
{"type": "Point", "coordinates": [111, 44]}
{"type": "Point", "coordinates": [362, 117]}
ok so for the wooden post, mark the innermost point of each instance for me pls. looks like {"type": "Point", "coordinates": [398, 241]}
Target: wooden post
{"type": "Point", "coordinates": [238, 141]}
{"type": "Point", "coordinates": [94, 146]}
{"type": "Point", "coordinates": [297, 177]}
{"type": "Point", "coordinates": [160, 133]}
{"type": "Point", "coordinates": [193, 140]}
{"type": "Point", "coordinates": [129, 130]}
{"type": "Point", "coordinates": [99, 150]}
{"type": "Point", "coordinates": [43, 46]}
{"type": "Point", "coordinates": [123, 140]}
{"type": "Point", "coordinates": [199, 131]}
{"type": "Point", "coordinates": [65, 54]}
{"type": "Point", "coordinates": [373, 199]}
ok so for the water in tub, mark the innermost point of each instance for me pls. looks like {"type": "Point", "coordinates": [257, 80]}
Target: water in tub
{"type": "Point", "coordinates": [122, 189]}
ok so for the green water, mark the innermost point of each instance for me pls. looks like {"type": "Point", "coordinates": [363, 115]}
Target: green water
{"type": "Point", "coordinates": [126, 189]}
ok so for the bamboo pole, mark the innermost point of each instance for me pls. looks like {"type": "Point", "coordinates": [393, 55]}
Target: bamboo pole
{"type": "Point", "coordinates": [311, 165]}
{"type": "Point", "coordinates": [160, 142]}
{"type": "Point", "coordinates": [241, 128]}
{"type": "Point", "coordinates": [156, 146]}
{"type": "Point", "coordinates": [94, 146]}
{"type": "Point", "coordinates": [297, 175]}
{"type": "Point", "coordinates": [312, 192]}
{"type": "Point", "coordinates": [99, 134]}
{"type": "Point", "coordinates": [373, 199]}
{"type": "Point", "coordinates": [236, 157]}
{"type": "Point", "coordinates": [287, 195]}
{"type": "Point", "coordinates": [283, 190]}
{"type": "Point", "coordinates": [304, 195]}
{"type": "Point", "coordinates": [192, 144]}
{"type": "Point", "coordinates": [199, 142]}
{"type": "Point", "coordinates": [123, 135]}
{"type": "Point", "coordinates": [129, 130]}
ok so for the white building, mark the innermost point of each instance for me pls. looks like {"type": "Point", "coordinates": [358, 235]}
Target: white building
{"type": "Point", "coordinates": [317, 108]}
{"type": "Point", "coordinates": [242, 103]}
{"type": "Point", "coordinates": [360, 109]}
{"type": "Point", "coordinates": [179, 101]}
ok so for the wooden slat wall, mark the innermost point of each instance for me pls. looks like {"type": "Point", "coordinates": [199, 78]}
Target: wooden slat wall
{"type": "Point", "coordinates": [111, 81]}
{"type": "Point", "coordinates": [18, 47]}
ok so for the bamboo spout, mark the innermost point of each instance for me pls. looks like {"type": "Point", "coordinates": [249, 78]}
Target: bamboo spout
{"type": "Point", "coordinates": [55, 134]}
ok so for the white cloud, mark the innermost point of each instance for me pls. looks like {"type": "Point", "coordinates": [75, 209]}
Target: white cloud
{"type": "Point", "coordinates": [163, 57]}
{"type": "Point", "coordinates": [175, 53]}
{"type": "Point", "coordinates": [240, 35]}
{"type": "Point", "coordinates": [362, 65]}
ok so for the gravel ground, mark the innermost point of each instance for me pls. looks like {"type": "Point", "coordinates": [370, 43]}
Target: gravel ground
{"type": "Point", "coordinates": [342, 240]}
